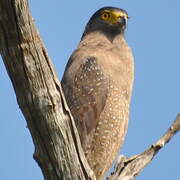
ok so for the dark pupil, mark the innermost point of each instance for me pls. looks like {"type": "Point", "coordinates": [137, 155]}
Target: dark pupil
{"type": "Point", "coordinates": [105, 15]}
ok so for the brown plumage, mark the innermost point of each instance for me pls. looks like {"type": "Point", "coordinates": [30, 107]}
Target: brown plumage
{"type": "Point", "coordinates": [97, 84]}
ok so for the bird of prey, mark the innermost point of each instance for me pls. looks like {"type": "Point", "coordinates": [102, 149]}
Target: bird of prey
{"type": "Point", "coordinates": [97, 84]}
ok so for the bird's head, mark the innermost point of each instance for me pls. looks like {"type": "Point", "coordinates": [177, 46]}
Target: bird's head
{"type": "Point", "coordinates": [109, 20]}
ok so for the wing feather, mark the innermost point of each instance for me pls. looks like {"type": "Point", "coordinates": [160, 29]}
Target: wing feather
{"type": "Point", "coordinates": [85, 91]}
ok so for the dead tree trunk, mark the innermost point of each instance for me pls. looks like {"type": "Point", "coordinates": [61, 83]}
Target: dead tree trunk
{"type": "Point", "coordinates": [38, 91]}
{"type": "Point", "coordinates": [57, 147]}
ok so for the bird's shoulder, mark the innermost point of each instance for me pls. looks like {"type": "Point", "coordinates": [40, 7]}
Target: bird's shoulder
{"type": "Point", "coordinates": [84, 72]}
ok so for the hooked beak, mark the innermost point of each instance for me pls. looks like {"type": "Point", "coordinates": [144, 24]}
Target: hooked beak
{"type": "Point", "coordinates": [122, 20]}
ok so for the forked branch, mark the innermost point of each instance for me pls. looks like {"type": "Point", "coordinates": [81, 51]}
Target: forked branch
{"type": "Point", "coordinates": [129, 168]}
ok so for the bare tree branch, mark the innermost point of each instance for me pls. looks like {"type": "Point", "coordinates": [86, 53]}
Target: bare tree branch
{"type": "Point", "coordinates": [129, 168]}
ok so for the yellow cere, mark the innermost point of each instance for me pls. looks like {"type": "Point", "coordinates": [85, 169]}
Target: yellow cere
{"type": "Point", "coordinates": [112, 16]}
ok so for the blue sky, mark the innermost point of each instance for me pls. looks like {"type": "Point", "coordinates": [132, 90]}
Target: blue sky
{"type": "Point", "coordinates": [153, 33]}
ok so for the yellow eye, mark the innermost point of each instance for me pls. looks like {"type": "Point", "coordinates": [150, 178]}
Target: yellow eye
{"type": "Point", "coordinates": [105, 16]}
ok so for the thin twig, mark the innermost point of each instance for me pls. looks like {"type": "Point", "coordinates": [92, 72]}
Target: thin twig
{"type": "Point", "coordinates": [129, 168]}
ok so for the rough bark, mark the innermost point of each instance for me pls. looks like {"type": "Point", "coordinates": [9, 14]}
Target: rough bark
{"type": "Point", "coordinates": [57, 147]}
{"type": "Point", "coordinates": [38, 91]}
